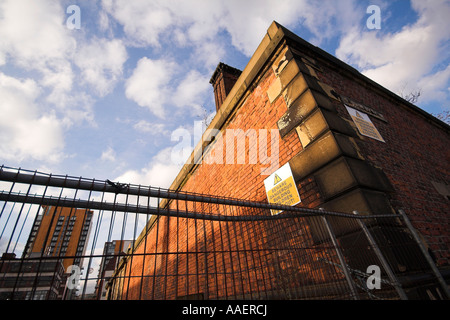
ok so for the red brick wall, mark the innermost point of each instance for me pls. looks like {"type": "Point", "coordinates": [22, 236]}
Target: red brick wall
{"type": "Point", "coordinates": [218, 259]}
{"type": "Point", "coordinates": [415, 153]}
{"type": "Point", "coordinates": [243, 181]}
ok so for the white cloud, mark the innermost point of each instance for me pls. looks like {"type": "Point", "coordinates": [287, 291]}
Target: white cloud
{"type": "Point", "coordinates": [101, 62]}
{"type": "Point", "coordinates": [210, 53]}
{"type": "Point", "coordinates": [330, 18]}
{"type": "Point", "coordinates": [143, 21]}
{"type": "Point", "coordinates": [108, 155]}
{"type": "Point", "coordinates": [247, 21]}
{"type": "Point", "coordinates": [160, 172]}
{"type": "Point", "coordinates": [190, 90]}
{"type": "Point", "coordinates": [26, 130]}
{"type": "Point", "coordinates": [404, 57]}
{"type": "Point", "coordinates": [154, 84]}
{"type": "Point", "coordinates": [436, 87]}
{"type": "Point", "coordinates": [144, 126]}
{"type": "Point", "coordinates": [154, 129]}
{"type": "Point", "coordinates": [148, 86]}
{"type": "Point", "coordinates": [33, 33]}
{"type": "Point", "coordinates": [36, 43]}
{"type": "Point", "coordinates": [103, 21]}
{"type": "Point", "coordinates": [33, 37]}
{"type": "Point", "coordinates": [199, 21]}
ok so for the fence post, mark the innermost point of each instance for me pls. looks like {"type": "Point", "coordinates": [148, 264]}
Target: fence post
{"type": "Point", "coordinates": [383, 261]}
{"type": "Point", "coordinates": [350, 282]}
{"type": "Point", "coordinates": [425, 253]}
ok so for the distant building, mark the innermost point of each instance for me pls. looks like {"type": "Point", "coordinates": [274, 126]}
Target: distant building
{"type": "Point", "coordinates": [30, 280]}
{"type": "Point", "coordinates": [112, 252]}
{"type": "Point", "coordinates": [60, 232]}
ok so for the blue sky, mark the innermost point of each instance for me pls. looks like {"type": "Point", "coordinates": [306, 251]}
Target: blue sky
{"type": "Point", "coordinates": [103, 100]}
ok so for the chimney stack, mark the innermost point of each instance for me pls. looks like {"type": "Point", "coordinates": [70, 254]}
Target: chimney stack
{"type": "Point", "coordinates": [223, 80]}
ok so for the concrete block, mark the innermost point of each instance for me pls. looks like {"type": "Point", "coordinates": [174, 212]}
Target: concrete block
{"type": "Point", "coordinates": [290, 72]}
{"type": "Point", "coordinates": [286, 72]}
{"type": "Point", "coordinates": [307, 69]}
{"type": "Point", "coordinates": [301, 108]}
{"type": "Point", "coordinates": [302, 82]}
{"type": "Point", "coordinates": [317, 154]}
{"type": "Point", "coordinates": [319, 121]}
{"type": "Point", "coordinates": [325, 149]}
{"type": "Point", "coordinates": [281, 61]}
{"type": "Point", "coordinates": [346, 173]}
{"type": "Point", "coordinates": [348, 146]}
{"type": "Point", "coordinates": [335, 178]}
{"type": "Point", "coordinates": [295, 89]}
{"type": "Point", "coordinates": [274, 90]}
{"type": "Point", "coordinates": [366, 202]}
{"type": "Point", "coordinates": [311, 127]}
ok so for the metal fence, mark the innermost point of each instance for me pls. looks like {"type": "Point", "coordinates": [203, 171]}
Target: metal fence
{"type": "Point", "coordinates": [68, 237]}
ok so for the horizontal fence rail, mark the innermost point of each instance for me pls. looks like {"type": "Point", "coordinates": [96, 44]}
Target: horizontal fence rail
{"type": "Point", "coordinates": [66, 237]}
{"type": "Point", "coordinates": [107, 186]}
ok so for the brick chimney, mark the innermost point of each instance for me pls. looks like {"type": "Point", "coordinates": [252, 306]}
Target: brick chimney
{"type": "Point", "coordinates": [223, 80]}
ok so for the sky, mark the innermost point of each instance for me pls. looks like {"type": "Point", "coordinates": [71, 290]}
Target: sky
{"type": "Point", "coordinates": [102, 99]}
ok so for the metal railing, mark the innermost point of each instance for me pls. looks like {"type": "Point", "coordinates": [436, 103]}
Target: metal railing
{"type": "Point", "coordinates": [68, 237]}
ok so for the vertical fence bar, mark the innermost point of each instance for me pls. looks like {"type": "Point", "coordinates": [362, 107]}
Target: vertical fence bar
{"type": "Point", "coordinates": [197, 276]}
{"type": "Point", "coordinates": [350, 282]}
{"type": "Point", "coordinates": [425, 253]}
{"type": "Point", "coordinates": [156, 252]}
{"type": "Point", "coordinates": [224, 260]}
{"type": "Point", "coordinates": [229, 249]}
{"type": "Point", "coordinates": [21, 229]}
{"type": "Point", "coordinates": [383, 261]}
{"type": "Point", "coordinates": [205, 257]}
{"type": "Point", "coordinates": [214, 258]}
{"type": "Point", "coordinates": [186, 271]}
{"type": "Point", "coordinates": [145, 236]}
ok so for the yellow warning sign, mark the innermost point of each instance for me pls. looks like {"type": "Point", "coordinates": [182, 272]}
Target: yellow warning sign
{"type": "Point", "coordinates": [284, 193]}
{"type": "Point", "coordinates": [276, 179]}
{"type": "Point", "coordinates": [364, 124]}
{"type": "Point", "coordinates": [281, 188]}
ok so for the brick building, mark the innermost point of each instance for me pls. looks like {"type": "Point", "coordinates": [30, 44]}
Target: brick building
{"type": "Point", "coordinates": [20, 279]}
{"type": "Point", "coordinates": [112, 253]}
{"type": "Point", "coordinates": [351, 145]}
{"type": "Point", "coordinates": [60, 232]}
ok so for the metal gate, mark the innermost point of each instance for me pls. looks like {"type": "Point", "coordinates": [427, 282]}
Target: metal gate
{"type": "Point", "coordinates": [68, 237]}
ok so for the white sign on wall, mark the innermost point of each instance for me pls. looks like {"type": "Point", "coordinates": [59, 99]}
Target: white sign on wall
{"type": "Point", "coordinates": [364, 124]}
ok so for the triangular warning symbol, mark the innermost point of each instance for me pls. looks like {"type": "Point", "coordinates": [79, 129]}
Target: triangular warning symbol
{"type": "Point", "coordinates": [358, 115]}
{"type": "Point", "coordinates": [276, 180]}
